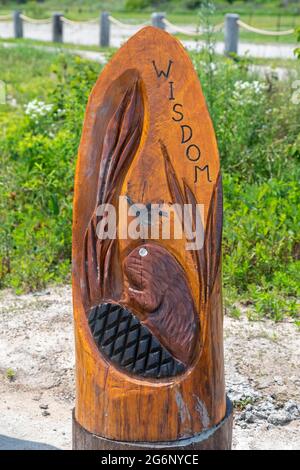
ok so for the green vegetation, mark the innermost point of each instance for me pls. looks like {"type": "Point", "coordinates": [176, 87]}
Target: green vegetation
{"type": "Point", "coordinates": [10, 374]}
{"type": "Point", "coordinates": [297, 51]}
{"type": "Point", "coordinates": [38, 148]}
{"type": "Point", "coordinates": [81, 7]}
{"type": "Point", "coordinates": [257, 127]}
{"type": "Point", "coordinates": [57, 47]}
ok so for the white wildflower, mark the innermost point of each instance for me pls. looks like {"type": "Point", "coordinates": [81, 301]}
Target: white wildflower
{"type": "Point", "coordinates": [36, 108]}
{"type": "Point", "coordinates": [212, 67]}
{"type": "Point", "coordinates": [248, 92]}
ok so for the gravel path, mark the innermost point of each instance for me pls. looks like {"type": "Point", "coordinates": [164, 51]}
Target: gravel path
{"type": "Point", "coordinates": [37, 375]}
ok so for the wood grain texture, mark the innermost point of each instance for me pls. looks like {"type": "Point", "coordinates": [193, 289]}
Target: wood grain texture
{"type": "Point", "coordinates": [217, 438]}
{"type": "Point", "coordinates": [148, 136]}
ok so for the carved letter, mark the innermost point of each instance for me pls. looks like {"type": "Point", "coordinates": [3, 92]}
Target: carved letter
{"type": "Point", "coordinates": [177, 112]}
{"type": "Point", "coordinates": [199, 168]}
{"type": "Point", "coordinates": [185, 138]}
{"type": "Point", "coordinates": [171, 91]}
{"type": "Point", "coordinates": [161, 72]}
{"type": "Point", "coordinates": [198, 153]}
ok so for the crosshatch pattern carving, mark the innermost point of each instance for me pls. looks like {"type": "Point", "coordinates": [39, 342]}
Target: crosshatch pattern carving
{"type": "Point", "coordinates": [121, 337]}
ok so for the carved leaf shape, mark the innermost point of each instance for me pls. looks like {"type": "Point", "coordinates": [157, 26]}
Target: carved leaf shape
{"type": "Point", "coordinates": [121, 141]}
{"type": "Point", "coordinates": [207, 259]}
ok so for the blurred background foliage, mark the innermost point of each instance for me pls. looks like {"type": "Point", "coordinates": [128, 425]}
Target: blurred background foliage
{"type": "Point", "coordinates": [257, 126]}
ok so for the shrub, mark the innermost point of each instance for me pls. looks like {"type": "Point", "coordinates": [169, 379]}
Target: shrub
{"type": "Point", "coordinates": [260, 243]}
{"type": "Point", "coordinates": [36, 190]}
{"type": "Point", "coordinates": [297, 50]}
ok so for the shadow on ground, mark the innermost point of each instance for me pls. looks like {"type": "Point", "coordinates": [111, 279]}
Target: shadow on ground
{"type": "Point", "coordinates": [10, 443]}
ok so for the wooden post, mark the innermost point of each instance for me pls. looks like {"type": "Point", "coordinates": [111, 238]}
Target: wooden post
{"type": "Point", "coordinates": [158, 20]}
{"type": "Point", "coordinates": [57, 27]}
{"type": "Point", "coordinates": [231, 33]}
{"type": "Point", "coordinates": [147, 302]}
{"type": "Point", "coordinates": [18, 24]}
{"type": "Point", "coordinates": [104, 29]}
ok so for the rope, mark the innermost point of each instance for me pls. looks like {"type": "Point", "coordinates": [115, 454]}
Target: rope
{"type": "Point", "coordinates": [181, 30]}
{"type": "Point", "coordinates": [218, 27]}
{"type": "Point", "coordinates": [213, 29]}
{"type": "Point", "coordinates": [72, 22]}
{"type": "Point", "coordinates": [33, 21]}
{"type": "Point", "coordinates": [63, 19]}
{"type": "Point", "coordinates": [6, 18]}
{"type": "Point", "coordinates": [126, 25]}
{"type": "Point", "coordinates": [263, 31]}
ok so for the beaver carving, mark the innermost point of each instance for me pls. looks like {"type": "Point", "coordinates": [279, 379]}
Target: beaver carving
{"type": "Point", "coordinates": [152, 330]}
{"type": "Point", "coordinates": [157, 289]}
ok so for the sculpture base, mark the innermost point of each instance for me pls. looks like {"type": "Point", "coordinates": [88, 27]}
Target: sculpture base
{"type": "Point", "coordinates": [217, 438]}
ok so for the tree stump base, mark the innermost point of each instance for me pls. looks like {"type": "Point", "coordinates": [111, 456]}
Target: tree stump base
{"type": "Point", "coordinates": [147, 255]}
{"type": "Point", "coordinates": [217, 438]}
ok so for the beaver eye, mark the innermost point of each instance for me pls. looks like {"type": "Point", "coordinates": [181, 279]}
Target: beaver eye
{"type": "Point", "coordinates": [143, 252]}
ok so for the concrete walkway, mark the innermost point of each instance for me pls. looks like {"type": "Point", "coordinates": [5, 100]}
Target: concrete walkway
{"type": "Point", "coordinates": [262, 71]}
{"type": "Point", "coordinates": [264, 51]}
{"type": "Point", "coordinates": [83, 34]}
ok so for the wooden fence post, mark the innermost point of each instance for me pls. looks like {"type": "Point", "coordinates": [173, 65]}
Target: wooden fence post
{"type": "Point", "coordinates": [57, 27]}
{"type": "Point", "coordinates": [148, 303]}
{"type": "Point", "coordinates": [104, 29]}
{"type": "Point", "coordinates": [158, 20]}
{"type": "Point", "coordinates": [18, 24]}
{"type": "Point", "coordinates": [231, 33]}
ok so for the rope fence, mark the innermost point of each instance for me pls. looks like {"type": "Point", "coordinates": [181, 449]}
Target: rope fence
{"type": "Point", "coordinates": [179, 29]}
{"type": "Point", "coordinates": [218, 27]}
{"type": "Point", "coordinates": [197, 32]}
{"type": "Point", "coordinates": [127, 25]}
{"type": "Point", "coordinates": [27, 19]}
{"type": "Point", "coordinates": [6, 18]}
{"type": "Point", "coordinates": [78, 23]}
{"type": "Point", "coordinates": [230, 26]}
{"type": "Point", "coordinates": [65, 20]}
{"type": "Point", "coordinates": [264, 32]}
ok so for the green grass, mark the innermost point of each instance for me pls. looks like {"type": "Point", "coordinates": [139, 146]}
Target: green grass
{"type": "Point", "coordinates": [39, 80]}
{"type": "Point", "coordinates": [290, 64]}
{"type": "Point", "coordinates": [82, 8]}
{"type": "Point", "coordinates": [57, 46]}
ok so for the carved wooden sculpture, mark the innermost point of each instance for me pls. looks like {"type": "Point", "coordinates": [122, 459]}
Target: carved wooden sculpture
{"type": "Point", "coordinates": [148, 312]}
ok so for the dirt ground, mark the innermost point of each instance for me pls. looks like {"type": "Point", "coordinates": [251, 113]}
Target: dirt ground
{"type": "Point", "coordinates": [37, 375]}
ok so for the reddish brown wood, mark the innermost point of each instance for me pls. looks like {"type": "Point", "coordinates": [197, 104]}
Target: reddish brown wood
{"type": "Point", "coordinates": [157, 294]}
{"type": "Point", "coordinates": [216, 438]}
{"type": "Point", "coordinates": [148, 329]}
